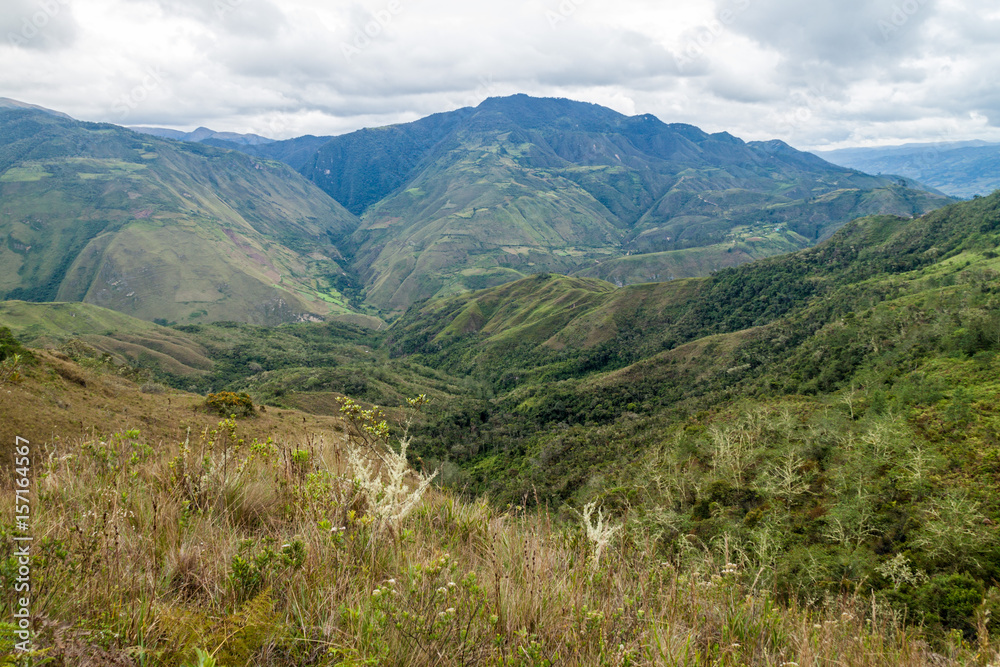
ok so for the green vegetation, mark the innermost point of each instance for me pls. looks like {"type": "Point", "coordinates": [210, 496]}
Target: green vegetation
{"type": "Point", "coordinates": [232, 548]}
{"type": "Point", "coordinates": [228, 403]}
{"type": "Point", "coordinates": [179, 232]}
{"type": "Point", "coordinates": [854, 459]}
{"type": "Point", "coordinates": [9, 345]}
{"type": "Point", "coordinates": [826, 418]}
{"type": "Point", "coordinates": [519, 186]}
{"type": "Point", "coordinates": [161, 229]}
{"type": "Point", "coordinates": [792, 460]}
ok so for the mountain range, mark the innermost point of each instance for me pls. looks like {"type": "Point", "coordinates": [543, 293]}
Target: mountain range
{"type": "Point", "coordinates": [380, 219]}
{"type": "Point", "coordinates": [518, 185]}
{"type": "Point", "coordinates": [817, 425]}
{"type": "Point", "coordinates": [961, 169]}
{"type": "Point", "coordinates": [203, 135]}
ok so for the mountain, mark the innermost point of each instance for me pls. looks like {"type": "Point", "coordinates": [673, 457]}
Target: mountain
{"type": "Point", "coordinates": [961, 169]}
{"type": "Point", "coordinates": [7, 103]}
{"type": "Point", "coordinates": [205, 135]}
{"type": "Point", "coordinates": [163, 230]}
{"type": "Point", "coordinates": [519, 185]}
{"type": "Point", "coordinates": [462, 200]}
{"type": "Point", "coordinates": [297, 153]}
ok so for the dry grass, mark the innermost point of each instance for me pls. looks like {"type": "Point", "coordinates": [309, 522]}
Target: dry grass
{"type": "Point", "coordinates": [264, 552]}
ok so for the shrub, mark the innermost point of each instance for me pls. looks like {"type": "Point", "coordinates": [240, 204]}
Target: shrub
{"type": "Point", "coordinates": [10, 346]}
{"type": "Point", "coordinates": [227, 403]}
{"type": "Point", "coordinates": [949, 600]}
{"type": "Point", "coordinates": [389, 497]}
{"type": "Point", "coordinates": [10, 369]}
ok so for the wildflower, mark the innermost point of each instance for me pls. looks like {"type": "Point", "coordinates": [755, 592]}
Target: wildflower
{"type": "Point", "coordinates": [451, 584]}
{"type": "Point", "coordinates": [391, 582]}
{"type": "Point", "coordinates": [443, 590]}
{"type": "Point", "coordinates": [376, 593]}
{"type": "Point", "coordinates": [450, 610]}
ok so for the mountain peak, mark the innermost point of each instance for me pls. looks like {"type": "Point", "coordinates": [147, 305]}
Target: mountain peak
{"type": "Point", "coordinates": [204, 134]}
{"type": "Point", "coordinates": [539, 111]}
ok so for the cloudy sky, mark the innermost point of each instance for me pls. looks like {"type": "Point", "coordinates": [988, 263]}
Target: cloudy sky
{"type": "Point", "coordinates": [818, 74]}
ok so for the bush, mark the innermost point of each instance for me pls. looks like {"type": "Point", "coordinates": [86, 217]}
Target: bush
{"type": "Point", "coordinates": [9, 346]}
{"type": "Point", "coordinates": [227, 403]}
{"type": "Point", "coordinates": [949, 600]}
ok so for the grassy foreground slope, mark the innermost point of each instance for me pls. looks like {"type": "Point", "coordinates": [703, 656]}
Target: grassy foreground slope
{"type": "Point", "coordinates": [160, 229]}
{"type": "Point", "coordinates": [167, 537]}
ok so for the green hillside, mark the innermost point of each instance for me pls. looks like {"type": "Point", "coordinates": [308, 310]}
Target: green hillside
{"type": "Point", "coordinates": [181, 232]}
{"type": "Point", "coordinates": [790, 444]}
{"type": "Point", "coordinates": [162, 230]}
{"type": "Point", "coordinates": [829, 415]}
{"type": "Point", "coordinates": [519, 185]}
{"type": "Point", "coordinates": [271, 540]}
{"type": "Point", "coordinates": [137, 342]}
{"type": "Point", "coordinates": [820, 426]}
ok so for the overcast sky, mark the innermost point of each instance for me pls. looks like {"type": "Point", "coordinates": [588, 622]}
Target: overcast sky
{"type": "Point", "coordinates": [816, 73]}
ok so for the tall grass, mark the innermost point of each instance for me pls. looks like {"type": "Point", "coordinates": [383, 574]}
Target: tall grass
{"type": "Point", "coordinates": [236, 551]}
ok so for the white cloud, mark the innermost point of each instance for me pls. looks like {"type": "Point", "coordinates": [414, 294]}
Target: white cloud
{"type": "Point", "coordinates": [827, 72]}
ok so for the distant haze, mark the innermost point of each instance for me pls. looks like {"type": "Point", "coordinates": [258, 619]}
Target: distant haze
{"type": "Point", "coordinates": [827, 73]}
{"type": "Point", "coordinates": [960, 169]}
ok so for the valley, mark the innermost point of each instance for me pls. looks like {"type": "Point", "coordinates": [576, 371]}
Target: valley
{"type": "Point", "coordinates": [592, 376]}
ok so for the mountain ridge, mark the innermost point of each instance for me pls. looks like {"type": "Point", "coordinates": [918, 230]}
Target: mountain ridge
{"type": "Point", "coordinates": [520, 185]}
{"type": "Point", "coordinates": [161, 229]}
{"type": "Point", "coordinates": [204, 135]}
